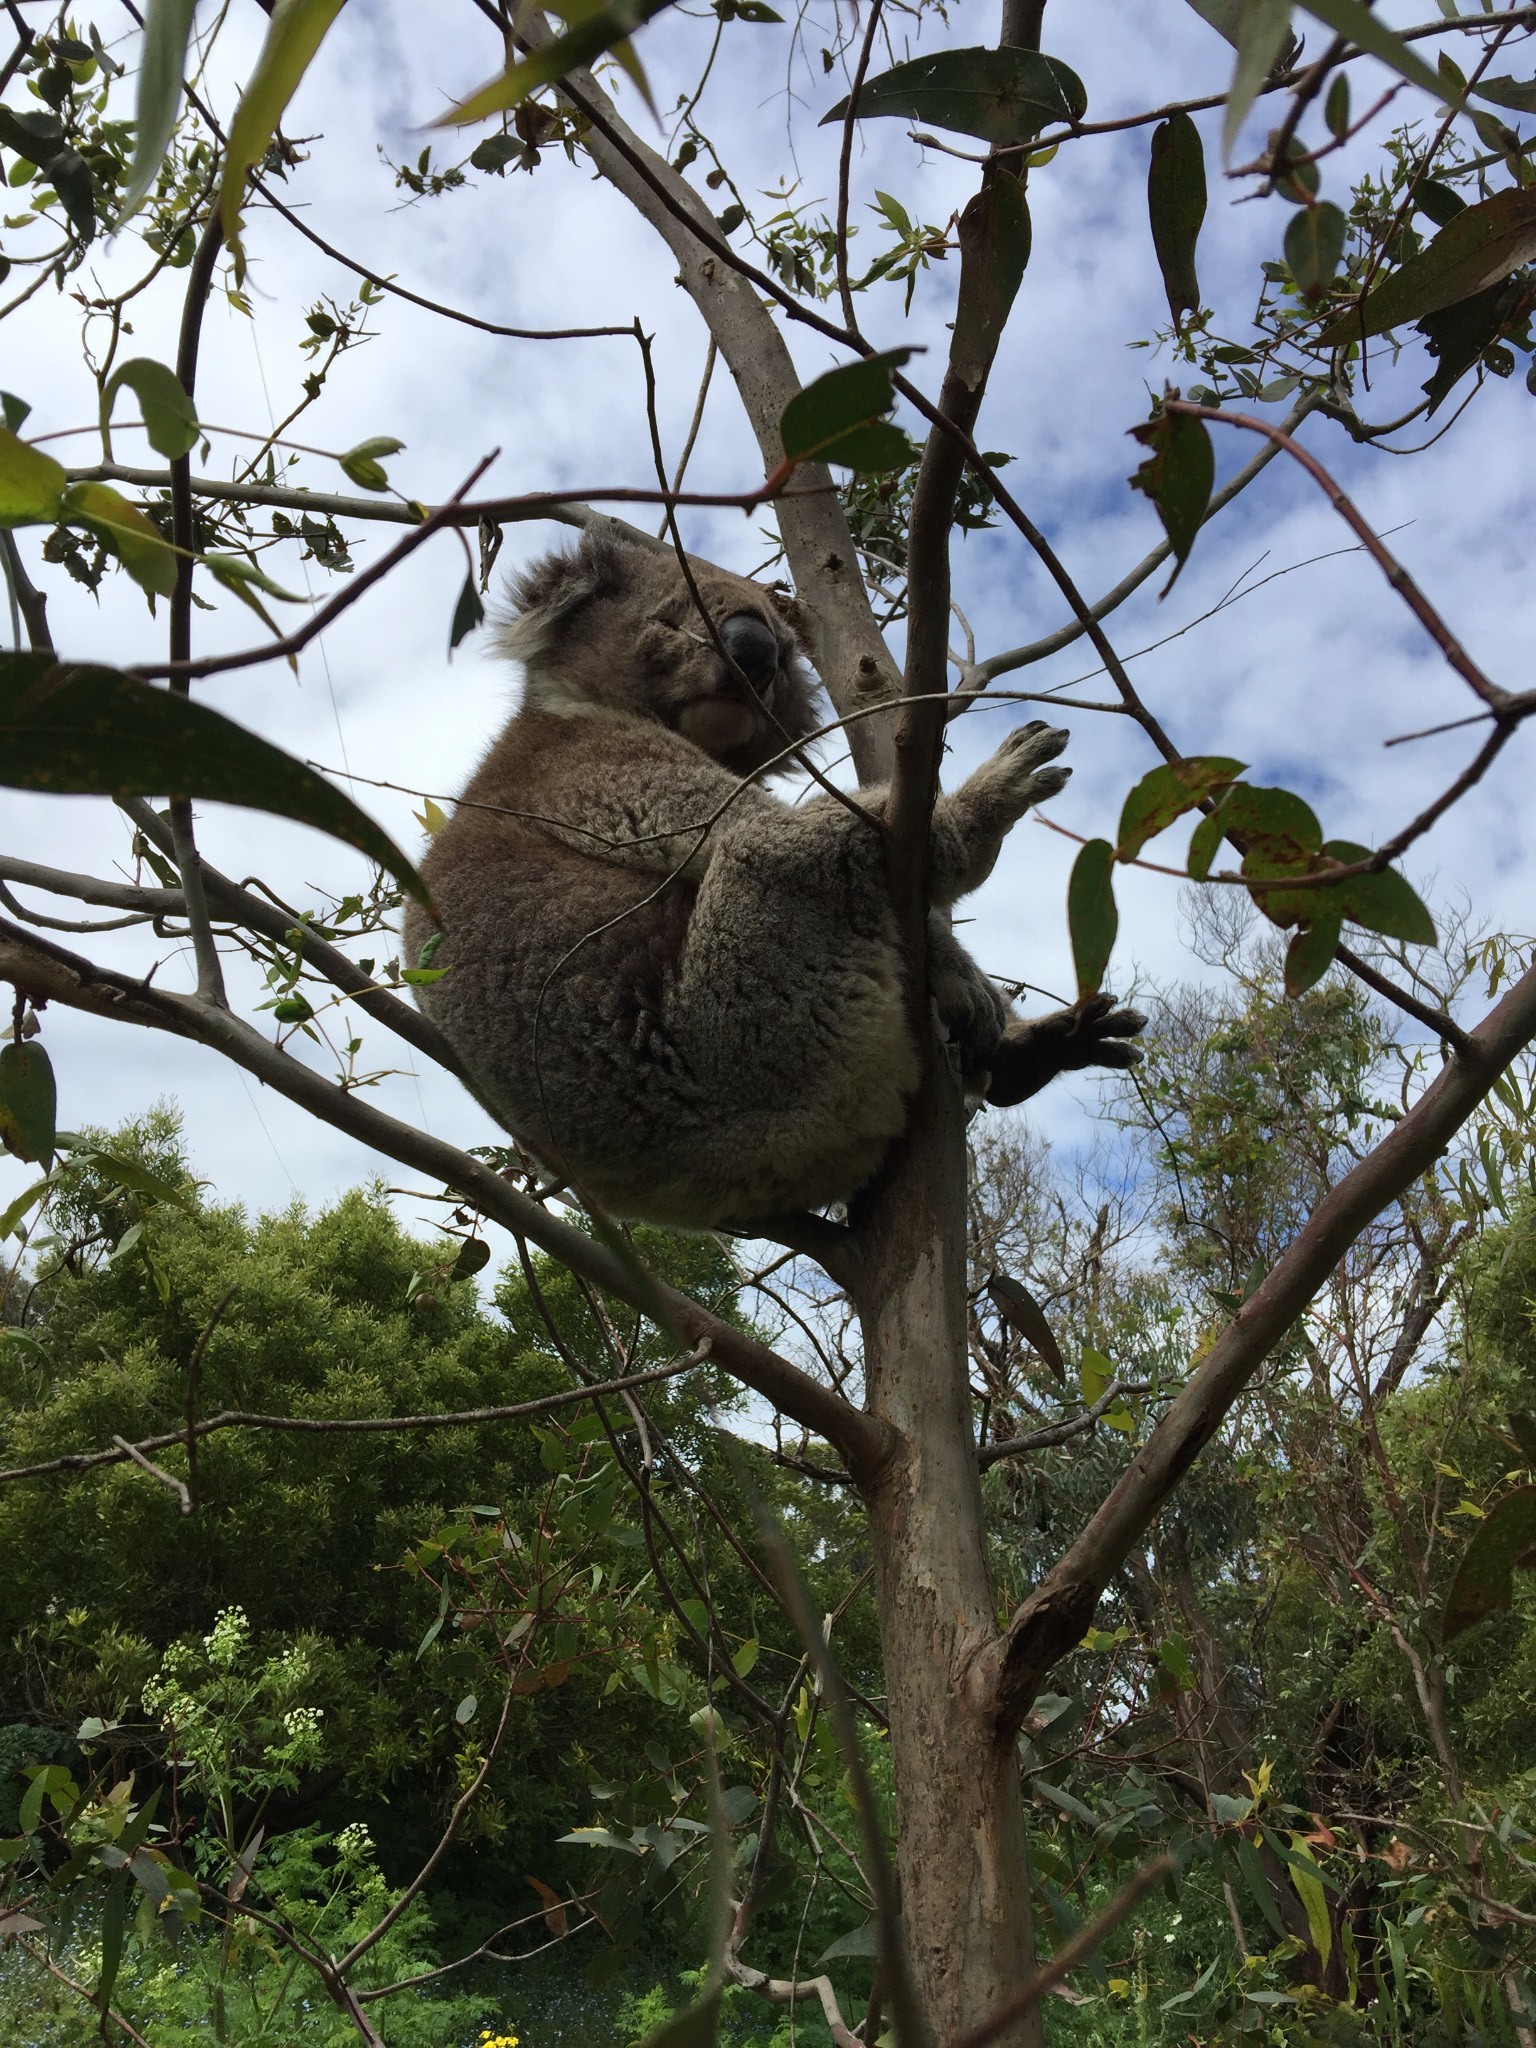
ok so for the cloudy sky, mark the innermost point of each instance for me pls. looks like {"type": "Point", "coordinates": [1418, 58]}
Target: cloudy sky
{"type": "Point", "coordinates": [1303, 679]}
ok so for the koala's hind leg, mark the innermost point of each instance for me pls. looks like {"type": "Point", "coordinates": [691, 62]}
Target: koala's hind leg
{"type": "Point", "coordinates": [969, 827]}
{"type": "Point", "coordinates": [1035, 1050]}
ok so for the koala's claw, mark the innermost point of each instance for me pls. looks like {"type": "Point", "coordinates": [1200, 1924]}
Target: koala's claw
{"type": "Point", "coordinates": [1035, 1051]}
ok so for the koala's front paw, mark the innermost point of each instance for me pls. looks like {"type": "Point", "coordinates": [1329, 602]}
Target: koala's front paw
{"type": "Point", "coordinates": [1019, 764]}
{"type": "Point", "coordinates": [1088, 1034]}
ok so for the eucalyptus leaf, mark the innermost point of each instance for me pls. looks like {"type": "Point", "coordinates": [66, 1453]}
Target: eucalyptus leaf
{"type": "Point", "coordinates": [71, 729]}
{"type": "Point", "coordinates": [1092, 919]}
{"type": "Point", "coordinates": [1004, 96]}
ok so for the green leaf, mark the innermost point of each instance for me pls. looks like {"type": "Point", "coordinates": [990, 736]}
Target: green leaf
{"type": "Point", "coordinates": [1258, 1884]}
{"type": "Point", "coordinates": [1310, 954]}
{"type": "Point", "coordinates": [167, 26]}
{"type": "Point", "coordinates": [36, 137]}
{"type": "Point", "coordinates": [1263, 32]}
{"type": "Point", "coordinates": [244, 578]}
{"type": "Point", "coordinates": [129, 1174]}
{"type": "Point", "coordinates": [1309, 1889]}
{"type": "Point", "coordinates": [1279, 832]}
{"type": "Point", "coordinates": [1382, 902]}
{"type": "Point", "coordinates": [994, 236]}
{"type": "Point", "coordinates": [474, 1255]}
{"type": "Point", "coordinates": [169, 419]}
{"type": "Point", "coordinates": [76, 730]}
{"type": "Point", "coordinates": [28, 1103]}
{"type": "Point", "coordinates": [1177, 477]}
{"type": "Point", "coordinates": [838, 418]}
{"type": "Point", "coordinates": [1478, 247]}
{"type": "Point", "coordinates": [12, 1217]}
{"type": "Point", "coordinates": [114, 1919]}
{"type": "Point", "coordinates": [1350, 18]}
{"type": "Point", "coordinates": [363, 466]}
{"type": "Point", "coordinates": [592, 30]}
{"type": "Point", "coordinates": [134, 538]}
{"type": "Point", "coordinates": [1204, 843]}
{"type": "Point", "coordinates": [1504, 1542]}
{"type": "Point", "coordinates": [1173, 1655]}
{"type": "Point", "coordinates": [1517, 93]}
{"type": "Point", "coordinates": [1166, 793]}
{"type": "Point", "coordinates": [1314, 247]}
{"type": "Point", "coordinates": [1092, 919]}
{"type": "Point", "coordinates": [1336, 107]}
{"type": "Point", "coordinates": [1024, 1315]}
{"type": "Point", "coordinates": [1176, 207]}
{"type": "Point", "coordinates": [599, 1838]}
{"type": "Point", "coordinates": [31, 483]}
{"type": "Point", "coordinates": [295, 32]}
{"type": "Point", "coordinates": [858, 1941]}
{"type": "Point", "coordinates": [13, 410]}
{"type": "Point", "coordinates": [1003, 96]}
{"type": "Point", "coordinates": [468, 613]}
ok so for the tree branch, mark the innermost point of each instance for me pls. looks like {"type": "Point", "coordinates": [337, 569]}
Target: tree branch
{"type": "Point", "coordinates": [1057, 1613]}
{"type": "Point", "coordinates": [47, 973]}
{"type": "Point", "coordinates": [848, 652]}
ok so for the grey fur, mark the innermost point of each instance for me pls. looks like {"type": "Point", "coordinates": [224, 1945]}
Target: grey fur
{"type": "Point", "coordinates": [681, 994]}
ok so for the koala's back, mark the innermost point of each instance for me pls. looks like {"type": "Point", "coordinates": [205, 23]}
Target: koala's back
{"type": "Point", "coordinates": [694, 1041]}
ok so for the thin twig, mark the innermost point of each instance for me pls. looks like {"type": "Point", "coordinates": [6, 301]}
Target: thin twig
{"type": "Point", "coordinates": [338, 1425]}
{"type": "Point", "coordinates": [177, 1486]}
{"type": "Point", "coordinates": [1455, 654]}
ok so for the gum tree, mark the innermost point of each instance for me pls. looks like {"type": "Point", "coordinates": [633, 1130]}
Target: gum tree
{"type": "Point", "coordinates": [1429, 247]}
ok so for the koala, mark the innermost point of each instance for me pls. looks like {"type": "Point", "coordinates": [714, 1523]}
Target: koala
{"type": "Point", "coordinates": [681, 994]}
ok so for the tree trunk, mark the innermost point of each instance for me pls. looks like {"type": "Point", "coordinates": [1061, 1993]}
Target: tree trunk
{"type": "Point", "coordinates": [961, 1852]}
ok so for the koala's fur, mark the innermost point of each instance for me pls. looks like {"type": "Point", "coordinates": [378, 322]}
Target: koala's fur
{"type": "Point", "coordinates": [681, 994]}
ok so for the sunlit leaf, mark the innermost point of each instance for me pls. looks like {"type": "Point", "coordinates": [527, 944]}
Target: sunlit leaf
{"type": "Point", "coordinates": [77, 730]}
{"type": "Point", "coordinates": [28, 1102]}
{"type": "Point", "coordinates": [1478, 247]}
{"type": "Point", "coordinates": [1177, 477]}
{"type": "Point", "coordinates": [839, 417]}
{"type": "Point", "coordinates": [1092, 919]}
{"type": "Point", "coordinates": [1176, 207]}
{"type": "Point", "coordinates": [362, 465]}
{"type": "Point", "coordinates": [1166, 793]}
{"type": "Point", "coordinates": [31, 483]}
{"type": "Point", "coordinates": [169, 418]}
{"type": "Point", "coordinates": [162, 62]}
{"type": "Point", "coordinates": [1003, 96]}
{"type": "Point", "coordinates": [295, 32]}
{"type": "Point", "coordinates": [1505, 1541]}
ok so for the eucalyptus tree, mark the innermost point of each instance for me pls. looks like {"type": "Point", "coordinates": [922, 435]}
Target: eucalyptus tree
{"type": "Point", "coordinates": [1382, 242]}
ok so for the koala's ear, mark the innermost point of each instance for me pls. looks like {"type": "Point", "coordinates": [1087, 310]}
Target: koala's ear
{"type": "Point", "coordinates": [551, 590]}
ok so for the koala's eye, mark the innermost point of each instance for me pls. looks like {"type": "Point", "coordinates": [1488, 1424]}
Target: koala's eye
{"type": "Point", "coordinates": [753, 645]}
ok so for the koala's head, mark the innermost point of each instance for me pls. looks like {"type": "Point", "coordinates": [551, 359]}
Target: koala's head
{"type": "Point", "coordinates": [614, 627]}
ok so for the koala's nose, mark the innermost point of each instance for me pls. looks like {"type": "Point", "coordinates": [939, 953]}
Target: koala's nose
{"type": "Point", "coordinates": [753, 646]}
